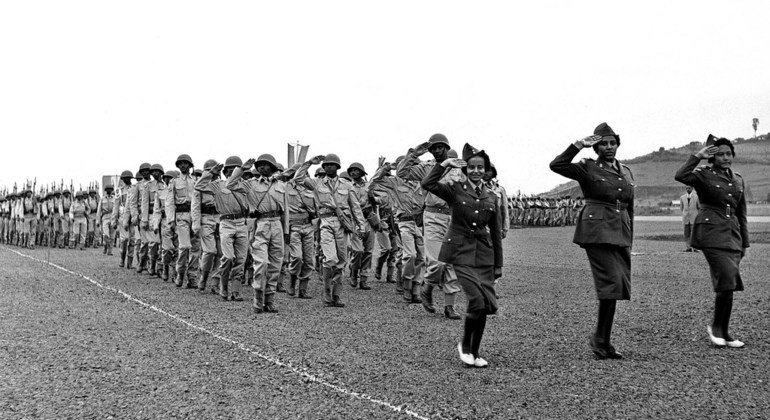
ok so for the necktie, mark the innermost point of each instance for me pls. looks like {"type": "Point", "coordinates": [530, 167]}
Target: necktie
{"type": "Point", "coordinates": [478, 191]}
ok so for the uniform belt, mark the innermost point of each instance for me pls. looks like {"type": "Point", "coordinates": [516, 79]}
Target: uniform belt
{"type": "Point", "coordinates": [29, 212]}
{"type": "Point", "coordinates": [617, 204]}
{"type": "Point", "coordinates": [211, 210]}
{"type": "Point", "coordinates": [183, 208]}
{"type": "Point", "coordinates": [299, 221]}
{"type": "Point", "coordinates": [150, 210]}
{"type": "Point", "coordinates": [231, 217]}
{"type": "Point", "coordinates": [405, 218]}
{"type": "Point", "coordinates": [163, 214]}
{"type": "Point", "coordinates": [438, 209]}
{"type": "Point", "coordinates": [326, 214]}
{"type": "Point", "coordinates": [265, 215]}
{"type": "Point", "coordinates": [726, 210]}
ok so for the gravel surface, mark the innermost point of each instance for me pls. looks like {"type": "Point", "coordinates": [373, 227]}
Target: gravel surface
{"type": "Point", "coordinates": [70, 349]}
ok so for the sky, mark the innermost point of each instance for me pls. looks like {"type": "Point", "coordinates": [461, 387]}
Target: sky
{"type": "Point", "coordinates": [93, 88]}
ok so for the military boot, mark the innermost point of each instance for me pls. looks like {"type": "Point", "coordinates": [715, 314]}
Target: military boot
{"type": "Point", "coordinates": [391, 274]}
{"type": "Point", "coordinates": [362, 284]}
{"type": "Point", "coordinates": [202, 281]}
{"type": "Point", "coordinates": [292, 285]}
{"type": "Point", "coordinates": [129, 261]}
{"type": "Point", "coordinates": [269, 303]}
{"type": "Point", "coordinates": [450, 312]}
{"type": "Point", "coordinates": [279, 286]}
{"type": "Point", "coordinates": [406, 287]}
{"type": "Point", "coordinates": [302, 293]}
{"type": "Point", "coordinates": [153, 263]}
{"type": "Point", "coordinates": [426, 294]}
{"type": "Point", "coordinates": [258, 305]}
{"type": "Point", "coordinates": [399, 286]}
{"type": "Point", "coordinates": [165, 272]}
{"type": "Point", "coordinates": [122, 262]}
{"type": "Point", "coordinates": [415, 292]}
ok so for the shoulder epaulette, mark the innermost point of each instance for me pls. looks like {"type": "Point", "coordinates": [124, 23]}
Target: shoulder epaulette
{"type": "Point", "coordinates": [586, 160]}
{"type": "Point", "coordinates": [737, 174]}
{"type": "Point", "coordinates": [628, 169]}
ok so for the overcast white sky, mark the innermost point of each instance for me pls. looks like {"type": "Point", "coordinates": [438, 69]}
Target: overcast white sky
{"type": "Point", "coordinates": [93, 88]}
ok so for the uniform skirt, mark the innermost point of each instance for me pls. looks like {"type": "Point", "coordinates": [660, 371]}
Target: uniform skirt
{"type": "Point", "coordinates": [725, 274]}
{"type": "Point", "coordinates": [478, 283]}
{"type": "Point", "coordinates": [611, 267]}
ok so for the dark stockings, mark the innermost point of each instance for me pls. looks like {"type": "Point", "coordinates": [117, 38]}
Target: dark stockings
{"type": "Point", "coordinates": [723, 307]}
{"type": "Point", "coordinates": [472, 333]}
{"type": "Point", "coordinates": [606, 318]}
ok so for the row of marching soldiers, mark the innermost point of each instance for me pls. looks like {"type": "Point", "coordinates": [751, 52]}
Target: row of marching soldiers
{"type": "Point", "coordinates": [54, 219]}
{"type": "Point", "coordinates": [538, 211]}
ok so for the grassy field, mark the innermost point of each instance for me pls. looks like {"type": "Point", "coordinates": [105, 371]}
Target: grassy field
{"type": "Point", "coordinates": [72, 346]}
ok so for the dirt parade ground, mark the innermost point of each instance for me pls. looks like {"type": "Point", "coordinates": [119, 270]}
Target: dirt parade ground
{"type": "Point", "coordinates": [82, 338]}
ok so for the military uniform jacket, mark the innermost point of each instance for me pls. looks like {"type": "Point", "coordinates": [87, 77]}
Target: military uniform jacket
{"type": "Point", "coordinates": [406, 198]}
{"type": "Point", "coordinates": [608, 216]}
{"type": "Point", "coordinates": [474, 234]}
{"type": "Point", "coordinates": [159, 210]}
{"type": "Point", "coordinates": [721, 221]}
{"type": "Point", "coordinates": [690, 207]}
{"type": "Point", "coordinates": [105, 207]}
{"type": "Point", "coordinates": [342, 189]}
{"type": "Point", "coordinates": [412, 169]}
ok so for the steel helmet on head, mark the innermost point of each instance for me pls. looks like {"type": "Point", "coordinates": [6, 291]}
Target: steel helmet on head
{"type": "Point", "coordinates": [233, 161]}
{"type": "Point", "coordinates": [332, 158]}
{"type": "Point", "coordinates": [356, 165]}
{"type": "Point", "coordinates": [452, 154]}
{"type": "Point", "coordinates": [145, 166]}
{"type": "Point", "coordinates": [267, 158]}
{"type": "Point", "coordinates": [279, 167]}
{"type": "Point", "coordinates": [169, 174]}
{"type": "Point", "coordinates": [127, 174]}
{"type": "Point", "coordinates": [344, 175]}
{"type": "Point", "coordinates": [438, 138]}
{"type": "Point", "coordinates": [210, 164]}
{"type": "Point", "coordinates": [183, 158]}
{"type": "Point", "coordinates": [156, 167]}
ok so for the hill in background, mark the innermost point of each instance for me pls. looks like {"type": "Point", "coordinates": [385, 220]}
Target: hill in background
{"type": "Point", "coordinates": [654, 172]}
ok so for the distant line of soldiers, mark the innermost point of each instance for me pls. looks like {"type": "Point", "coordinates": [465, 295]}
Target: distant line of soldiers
{"type": "Point", "coordinates": [257, 224]}
{"type": "Point", "coordinates": [53, 219]}
{"type": "Point", "coordinates": [537, 211]}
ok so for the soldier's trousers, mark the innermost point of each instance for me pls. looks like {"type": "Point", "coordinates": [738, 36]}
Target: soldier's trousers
{"type": "Point", "coordinates": [92, 228]}
{"type": "Point", "coordinates": [267, 253]}
{"type": "Point", "coordinates": [65, 226]}
{"type": "Point", "coordinates": [361, 260]}
{"type": "Point", "coordinates": [29, 225]}
{"type": "Point", "coordinates": [389, 243]}
{"type": "Point", "coordinates": [302, 252]}
{"type": "Point", "coordinates": [189, 249]}
{"type": "Point", "coordinates": [79, 230]}
{"type": "Point", "coordinates": [334, 245]}
{"type": "Point", "coordinates": [211, 248]}
{"type": "Point", "coordinates": [412, 254]}
{"type": "Point", "coordinates": [234, 235]}
{"type": "Point", "coordinates": [435, 226]}
{"type": "Point", "coordinates": [169, 242]}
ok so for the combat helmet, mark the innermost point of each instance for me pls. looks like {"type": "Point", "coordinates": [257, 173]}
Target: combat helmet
{"type": "Point", "coordinates": [183, 158]}
{"type": "Point", "coordinates": [332, 158]}
{"type": "Point", "coordinates": [267, 158]}
{"type": "Point", "coordinates": [356, 165]}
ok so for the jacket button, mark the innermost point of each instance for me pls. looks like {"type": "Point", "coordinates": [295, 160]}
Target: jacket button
{"type": "Point", "coordinates": [707, 219]}
{"type": "Point", "coordinates": [590, 215]}
{"type": "Point", "coordinates": [475, 211]}
{"type": "Point", "coordinates": [730, 185]}
{"type": "Point", "coordinates": [620, 189]}
{"type": "Point", "coordinates": [729, 195]}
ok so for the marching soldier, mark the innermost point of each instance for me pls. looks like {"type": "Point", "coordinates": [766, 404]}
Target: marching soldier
{"type": "Point", "coordinates": [388, 238]}
{"type": "Point", "coordinates": [408, 201]}
{"type": "Point", "coordinates": [147, 195]}
{"type": "Point", "coordinates": [29, 212]}
{"type": "Point", "coordinates": [205, 219]}
{"type": "Point", "coordinates": [103, 216]}
{"type": "Point", "coordinates": [121, 219]}
{"type": "Point", "coordinates": [161, 223]}
{"type": "Point", "coordinates": [267, 204]}
{"type": "Point", "coordinates": [302, 229]}
{"type": "Point", "coordinates": [142, 228]}
{"type": "Point", "coordinates": [3, 217]}
{"type": "Point", "coordinates": [336, 205]}
{"type": "Point", "coordinates": [361, 256]}
{"type": "Point", "coordinates": [178, 207]}
{"type": "Point", "coordinates": [78, 212]}
{"type": "Point", "coordinates": [92, 200]}
{"type": "Point", "coordinates": [232, 207]}
{"type": "Point", "coordinates": [436, 220]}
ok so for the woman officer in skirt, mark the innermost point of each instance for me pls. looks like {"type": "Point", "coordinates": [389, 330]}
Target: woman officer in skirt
{"type": "Point", "coordinates": [720, 229]}
{"type": "Point", "coordinates": [604, 227]}
{"type": "Point", "coordinates": [472, 243]}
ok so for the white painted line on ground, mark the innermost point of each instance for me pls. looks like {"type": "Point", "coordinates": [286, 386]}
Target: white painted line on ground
{"type": "Point", "coordinates": [239, 345]}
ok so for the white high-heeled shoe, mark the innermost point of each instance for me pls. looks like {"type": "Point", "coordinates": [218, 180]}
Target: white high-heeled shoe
{"type": "Point", "coordinates": [480, 363]}
{"type": "Point", "coordinates": [719, 342]}
{"type": "Point", "coordinates": [466, 358]}
{"type": "Point", "coordinates": [736, 344]}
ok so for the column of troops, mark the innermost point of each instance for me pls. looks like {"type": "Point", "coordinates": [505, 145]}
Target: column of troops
{"type": "Point", "coordinates": [537, 211]}
{"type": "Point", "coordinates": [55, 219]}
{"type": "Point", "coordinates": [258, 225]}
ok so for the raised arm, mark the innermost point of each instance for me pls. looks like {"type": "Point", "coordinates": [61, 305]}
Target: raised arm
{"type": "Point", "coordinates": [687, 174]}
{"type": "Point", "coordinates": [431, 181]}
{"type": "Point", "coordinates": [563, 165]}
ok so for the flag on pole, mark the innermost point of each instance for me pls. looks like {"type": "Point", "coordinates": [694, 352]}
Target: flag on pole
{"type": "Point", "coordinates": [291, 156]}
{"type": "Point", "coordinates": [302, 154]}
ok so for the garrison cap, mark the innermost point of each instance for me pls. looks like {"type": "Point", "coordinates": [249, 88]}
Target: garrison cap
{"type": "Point", "coordinates": [471, 152]}
{"type": "Point", "coordinates": [605, 130]}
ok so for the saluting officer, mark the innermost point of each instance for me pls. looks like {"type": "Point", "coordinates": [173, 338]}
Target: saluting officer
{"type": "Point", "coordinates": [435, 219]}
{"type": "Point", "coordinates": [205, 222]}
{"type": "Point", "coordinates": [232, 208]}
{"type": "Point", "coordinates": [332, 194]}
{"type": "Point", "coordinates": [361, 255]}
{"type": "Point", "coordinates": [161, 223]}
{"type": "Point", "coordinates": [606, 226]}
{"type": "Point", "coordinates": [302, 229]}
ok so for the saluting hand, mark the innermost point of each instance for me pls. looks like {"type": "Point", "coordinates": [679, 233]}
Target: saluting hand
{"type": "Point", "coordinates": [454, 163]}
{"type": "Point", "coordinates": [587, 141]}
{"type": "Point", "coordinates": [707, 152]}
{"type": "Point", "coordinates": [422, 148]}
{"type": "Point", "coordinates": [316, 160]}
{"type": "Point", "coordinates": [248, 164]}
{"type": "Point", "coordinates": [217, 168]}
